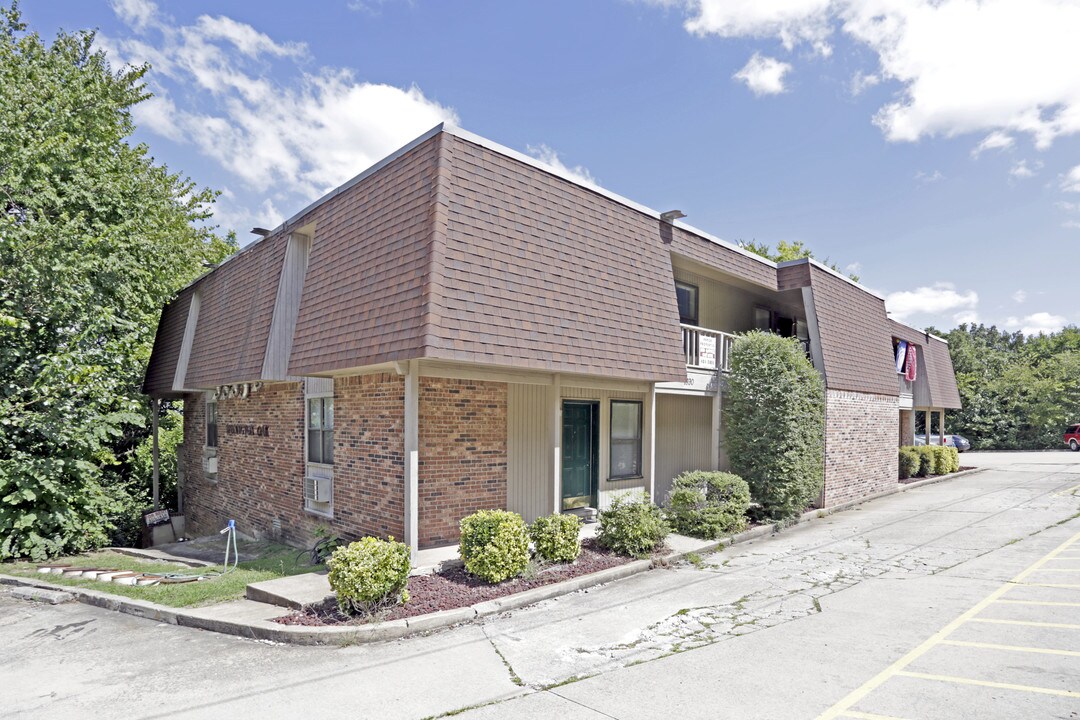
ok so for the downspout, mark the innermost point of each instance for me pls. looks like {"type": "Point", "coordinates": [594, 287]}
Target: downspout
{"type": "Point", "coordinates": [155, 409]}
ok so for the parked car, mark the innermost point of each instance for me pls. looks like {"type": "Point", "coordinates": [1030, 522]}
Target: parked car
{"type": "Point", "coordinates": [959, 442]}
{"type": "Point", "coordinates": [1072, 437]}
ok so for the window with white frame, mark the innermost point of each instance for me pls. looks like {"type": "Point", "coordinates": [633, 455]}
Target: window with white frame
{"type": "Point", "coordinates": [320, 430]}
{"type": "Point", "coordinates": [625, 438]}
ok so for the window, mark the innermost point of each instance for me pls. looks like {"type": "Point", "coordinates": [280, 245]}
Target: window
{"type": "Point", "coordinates": [687, 295]}
{"type": "Point", "coordinates": [320, 430]}
{"type": "Point", "coordinates": [625, 439]}
{"type": "Point", "coordinates": [211, 421]}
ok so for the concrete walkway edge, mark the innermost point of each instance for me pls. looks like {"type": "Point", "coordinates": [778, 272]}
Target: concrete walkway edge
{"type": "Point", "coordinates": [257, 625]}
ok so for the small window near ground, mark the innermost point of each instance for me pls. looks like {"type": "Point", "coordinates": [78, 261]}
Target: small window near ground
{"type": "Point", "coordinates": [320, 430]}
{"type": "Point", "coordinates": [211, 422]}
{"type": "Point", "coordinates": [625, 439]}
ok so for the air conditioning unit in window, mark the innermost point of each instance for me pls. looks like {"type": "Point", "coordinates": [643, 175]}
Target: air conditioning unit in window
{"type": "Point", "coordinates": [318, 489]}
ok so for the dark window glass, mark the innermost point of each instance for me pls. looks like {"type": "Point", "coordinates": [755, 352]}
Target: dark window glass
{"type": "Point", "coordinates": [211, 424]}
{"type": "Point", "coordinates": [320, 430]}
{"type": "Point", "coordinates": [688, 302]}
{"type": "Point", "coordinates": [625, 439]}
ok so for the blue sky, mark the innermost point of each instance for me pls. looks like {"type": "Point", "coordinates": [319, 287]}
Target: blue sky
{"type": "Point", "coordinates": [933, 147]}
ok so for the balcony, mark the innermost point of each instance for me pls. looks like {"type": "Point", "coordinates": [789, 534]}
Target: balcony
{"type": "Point", "coordinates": [707, 349]}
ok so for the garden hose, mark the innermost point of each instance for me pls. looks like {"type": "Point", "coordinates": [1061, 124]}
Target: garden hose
{"type": "Point", "coordinates": [230, 546]}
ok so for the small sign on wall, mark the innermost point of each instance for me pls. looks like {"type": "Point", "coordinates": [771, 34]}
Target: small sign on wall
{"type": "Point", "coordinates": [257, 430]}
{"type": "Point", "coordinates": [707, 351]}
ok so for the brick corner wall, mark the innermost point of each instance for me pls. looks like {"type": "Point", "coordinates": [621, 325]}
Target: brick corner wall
{"type": "Point", "coordinates": [463, 461]}
{"type": "Point", "coordinates": [860, 445]}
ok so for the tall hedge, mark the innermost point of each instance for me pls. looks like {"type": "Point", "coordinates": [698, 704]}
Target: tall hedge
{"type": "Point", "coordinates": [775, 420]}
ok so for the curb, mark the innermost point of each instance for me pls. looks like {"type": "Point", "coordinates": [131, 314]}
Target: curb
{"type": "Point", "coordinates": [201, 618]}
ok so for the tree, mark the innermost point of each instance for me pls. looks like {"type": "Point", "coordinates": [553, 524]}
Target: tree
{"type": "Point", "coordinates": [775, 419]}
{"type": "Point", "coordinates": [94, 238]}
{"type": "Point", "coordinates": [788, 251]}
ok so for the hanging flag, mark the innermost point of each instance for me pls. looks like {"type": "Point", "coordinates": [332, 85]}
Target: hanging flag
{"type": "Point", "coordinates": [901, 356]}
{"type": "Point", "coordinates": [910, 368]}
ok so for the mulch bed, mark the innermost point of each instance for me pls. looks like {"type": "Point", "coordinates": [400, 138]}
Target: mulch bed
{"type": "Point", "coordinates": [454, 588]}
{"type": "Point", "coordinates": [908, 481]}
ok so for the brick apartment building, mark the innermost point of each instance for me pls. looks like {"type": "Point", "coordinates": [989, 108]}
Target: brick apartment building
{"type": "Point", "coordinates": [463, 327]}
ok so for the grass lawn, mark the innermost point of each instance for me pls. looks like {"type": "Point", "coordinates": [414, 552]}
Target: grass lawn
{"type": "Point", "coordinates": [276, 561]}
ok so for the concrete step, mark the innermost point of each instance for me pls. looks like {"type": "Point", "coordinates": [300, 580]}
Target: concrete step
{"type": "Point", "coordinates": [294, 591]}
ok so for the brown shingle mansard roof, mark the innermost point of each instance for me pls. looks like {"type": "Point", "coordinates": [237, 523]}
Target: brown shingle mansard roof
{"type": "Point", "coordinates": [457, 248]}
{"type": "Point", "coordinates": [936, 362]}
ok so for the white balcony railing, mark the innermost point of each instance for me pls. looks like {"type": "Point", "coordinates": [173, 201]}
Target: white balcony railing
{"type": "Point", "coordinates": [707, 349]}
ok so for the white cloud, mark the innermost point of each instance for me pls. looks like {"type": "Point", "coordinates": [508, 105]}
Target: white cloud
{"type": "Point", "coordinates": [927, 178]}
{"type": "Point", "coordinates": [968, 316]}
{"type": "Point", "coordinates": [1071, 224]}
{"type": "Point", "coordinates": [860, 82]}
{"type": "Point", "coordinates": [292, 137]}
{"type": "Point", "coordinates": [963, 66]}
{"type": "Point", "coordinates": [763, 75]}
{"type": "Point", "coordinates": [1036, 323]}
{"type": "Point", "coordinates": [1071, 182]}
{"type": "Point", "coordinates": [938, 299]}
{"type": "Point", "coordinates": [546, 155]}
{"type": "Point", "coordinates": [1023, 170]}
{"type": "Point", "coordinates": [996, 140]}
{"type": "Point", "coordinates": [1069, 206]}
{"type": "Point", "coordinates": [1019, 296]}
{"type": "Point", "coordinates": [853, 268]}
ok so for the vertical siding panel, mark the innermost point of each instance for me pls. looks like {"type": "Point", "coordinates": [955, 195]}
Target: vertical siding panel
{"type": "Point", "coordinates": [528, 467]}
{"type": "Point", "coordinates": [683, 430]}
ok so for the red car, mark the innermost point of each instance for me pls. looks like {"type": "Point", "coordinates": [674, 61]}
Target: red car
{"type": "Point", "coordinates": [1072, 437]}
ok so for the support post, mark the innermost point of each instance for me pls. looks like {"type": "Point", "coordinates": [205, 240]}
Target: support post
{"type": "Point", "coordinates": [555, 441]}
{"type": "Point", "coordinates": [650, 417]}
{"type": "Point", "coordinates": [717, 408]}
{"type": "Point", "coordinates": [412, 457]}
{"type": "Point", "coordinates": [941, 425]}
{"type": "Point", "coordinates": [155, 453]}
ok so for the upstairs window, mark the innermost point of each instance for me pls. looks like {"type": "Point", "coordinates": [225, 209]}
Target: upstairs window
{"type": "Point", "coordinates": [320, 430]}
{"type": "Point", "coordinates": [625, 439]}
{"type": "Point", "coordinates": [687, 295]}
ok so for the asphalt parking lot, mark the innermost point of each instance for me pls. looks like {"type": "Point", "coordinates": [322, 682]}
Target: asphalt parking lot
{"type": "Point", "coordinates": [954, 600]}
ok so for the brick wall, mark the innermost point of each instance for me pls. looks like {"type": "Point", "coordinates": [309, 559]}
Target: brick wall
{"type": "Point", "coordinates": [369, 455]}
{"type": "Point", "coordinates": [462, 454]}
{"type": "Point", "coordinates": [860, 445]}
{"type": "Point", "coordinates": [260, 478]}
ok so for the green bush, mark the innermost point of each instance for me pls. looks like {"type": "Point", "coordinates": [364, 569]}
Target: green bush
{"type": "Point", "coordinates": [632, 526]}
{"type": "Point", "coordinates": [370, 575]}
{"type": "Point", "coordinates": [775, 420]}
{"type": "Point", "coordinates": [556, 538]}
{"type": "Point", "coordinates": [954, 459]}
{"type": "Point", "coordinates": [494, 544]}
{"type": "Point", "coordinates": [708, 505]}
{"type": "Point", "coordinates": [927, 461]}
{"type": "Point", "coordinates": [946, 459]}
{"type": "Point", "coordinates": [909, 462]}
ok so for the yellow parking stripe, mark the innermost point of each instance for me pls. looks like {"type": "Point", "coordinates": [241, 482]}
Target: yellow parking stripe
{"type": "Point", "coordinates": [1039, 602]}
{"type": "Point", "coordinates": [1057, 585]}
{"type": "Point", "coordinates": [1059, 569]}
{"type": "Point", "coordinates": [1030, 623]}
{"type": "Point", "coordinates": [868, 716]}
{"type": "Point", "coordinates": [1013, 648]}
{"type": "Point", "coordinates": [1068, 491]}
{"type": "Point", "coordinates": [897, 667]}
{"type": "Point", "coordinates": [988, 683]}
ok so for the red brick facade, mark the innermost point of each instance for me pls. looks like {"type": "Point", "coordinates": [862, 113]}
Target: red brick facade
{"type": "Point", "coordinates": [462, 454]}
{"type": "Point", "coordinates": [259, 482]}
{"type": "Point", "coordinates": [860, 445]}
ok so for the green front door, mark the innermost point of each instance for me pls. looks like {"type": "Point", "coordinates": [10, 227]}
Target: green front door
{"type": "Point", "coordinates": [580, 453]}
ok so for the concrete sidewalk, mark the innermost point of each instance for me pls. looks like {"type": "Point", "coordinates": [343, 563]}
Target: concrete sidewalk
{"type": "Point", "coordinates": [780, 627]}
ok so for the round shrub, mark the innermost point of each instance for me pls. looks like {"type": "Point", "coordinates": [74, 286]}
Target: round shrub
{"type": "Point", "coordinates": [775, 419]}
{"type": "Point", "coordinates": [556, 538]}
{"type": "Point", "coordinates": [909, 462]}
{"type": "Point", "coordinates": [632, 526]}
{"type": "Point", "coordinates": [370, 575]}
{"type": "Point", "coordinates": [954, 459]}
{"type": "Point", "coordinates": [926, 460]}
{"type": "Point", "coordinates": [494, 544]}
{"type": "Point", "coordinates": [708, 505]}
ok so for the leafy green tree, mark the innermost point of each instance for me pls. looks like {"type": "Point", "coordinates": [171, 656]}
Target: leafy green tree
{"type": "Point", "coordinates": [94, 238]}
{"type": "Point", "coordinates": [786, 251]}
{"type": "Point", "coordinates": [775, 419]}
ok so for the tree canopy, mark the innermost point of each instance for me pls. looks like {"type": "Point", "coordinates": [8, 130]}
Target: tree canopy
{"type": "Point", "coordinates": [94, 238]}
{"type": "Point", "coordinates": [788, 251]}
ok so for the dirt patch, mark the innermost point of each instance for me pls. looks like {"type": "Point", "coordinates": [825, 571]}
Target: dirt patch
{"type": "Point", "coordinates": [454, 588]}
